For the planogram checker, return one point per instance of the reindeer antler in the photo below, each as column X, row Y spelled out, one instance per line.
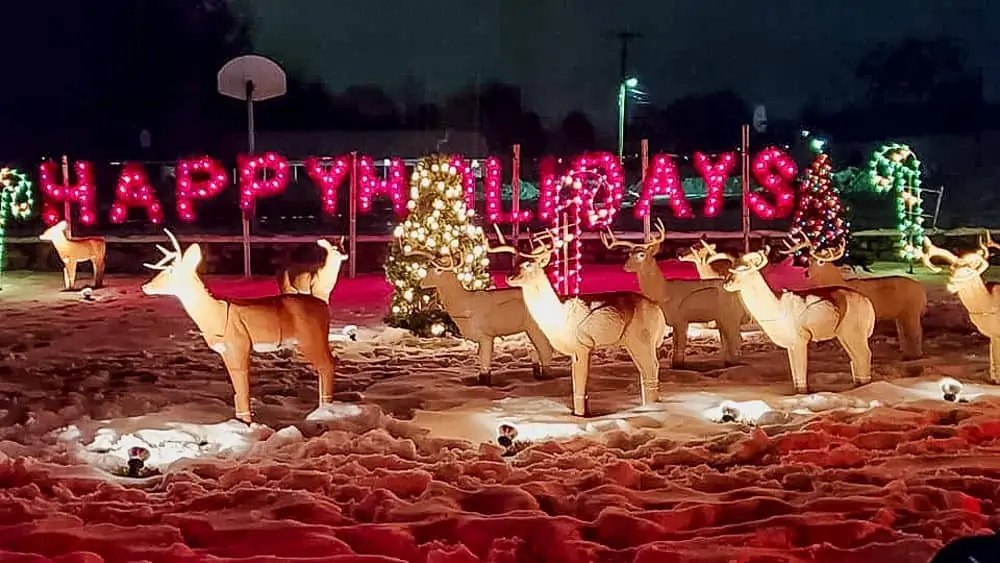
column 794, row 243
column 986, row 243
column 610, row 242
column 435, row 260
column 660, row 237
column 931, row 252
column 504, row 247
column 715, row 257
column 830, row 254
column 168, row 255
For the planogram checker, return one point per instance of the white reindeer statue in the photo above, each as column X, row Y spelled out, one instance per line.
column 896, row 298
column 981, row 299
column 684, row 301
column 803, row 316
column 482, row 316
column 317, row 281
column 583, row 324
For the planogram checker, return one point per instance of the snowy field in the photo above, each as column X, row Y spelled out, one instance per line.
column 410, row 471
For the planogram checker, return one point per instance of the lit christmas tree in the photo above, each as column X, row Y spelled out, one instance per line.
column 819, row 212
column 438, row 223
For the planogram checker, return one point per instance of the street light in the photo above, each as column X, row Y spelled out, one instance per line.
column 623, row 90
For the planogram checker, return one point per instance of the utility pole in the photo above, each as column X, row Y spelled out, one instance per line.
column 624, row 37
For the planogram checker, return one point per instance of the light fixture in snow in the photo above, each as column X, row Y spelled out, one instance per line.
column 507, row 439
column 150, row 451
column 950, row 389
column 334, row 411
column 743, row 412
column 349, row 332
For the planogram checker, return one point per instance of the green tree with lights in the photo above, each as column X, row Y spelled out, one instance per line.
column 439, row 224
column 16, row 203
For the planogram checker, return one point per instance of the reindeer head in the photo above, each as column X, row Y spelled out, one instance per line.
column 335, row 255
column 531, row 265
column 744, row 267
column 176, row 270
column 698, row 254
column 795, row 242
column 439, row 268
column 961, row 270
column 54, row 232
column 639, row 254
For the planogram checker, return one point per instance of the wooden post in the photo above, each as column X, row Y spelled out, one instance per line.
column 352, row 214
column 745, row 182
column 564, row 250
column 644, row 162
column 67, row 206
column 515, row 185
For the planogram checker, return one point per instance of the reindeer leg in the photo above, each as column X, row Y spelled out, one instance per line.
column 679, row 353
column 648, row 363
column 798, row 361
column 98, row 264
column 69, row 274
column 910, row 333
column 860, row 352
column 238, row 365
column 319, row 356
column 581, row 371
column 544, row 349
column 729, row 335
column 994, row 360
column 486, row 360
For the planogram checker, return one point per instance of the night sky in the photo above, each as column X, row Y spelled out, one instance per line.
column 781, row 53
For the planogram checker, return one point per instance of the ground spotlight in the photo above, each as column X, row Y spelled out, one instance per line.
column 950, row 389
column 730, row 413
column 137, row 457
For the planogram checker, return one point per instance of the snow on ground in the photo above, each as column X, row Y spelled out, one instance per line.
column 406, row 467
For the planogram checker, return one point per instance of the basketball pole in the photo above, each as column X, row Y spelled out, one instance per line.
column 248, row 214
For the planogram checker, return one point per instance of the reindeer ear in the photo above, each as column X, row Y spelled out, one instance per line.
column 192, row 256
column 324, row 244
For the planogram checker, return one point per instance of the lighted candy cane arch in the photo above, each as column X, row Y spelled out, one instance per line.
column 575, row 205
column 16, row 202
column 895, row 167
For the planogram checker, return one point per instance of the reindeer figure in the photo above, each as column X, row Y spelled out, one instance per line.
column 583, row 324
column 800, row 317
column 895, row 298
column 980, row 299
column 684, row 301
column 482, row 316
column 699, row 255
column 234, row 329
column 312, row 280
column 74, row 251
